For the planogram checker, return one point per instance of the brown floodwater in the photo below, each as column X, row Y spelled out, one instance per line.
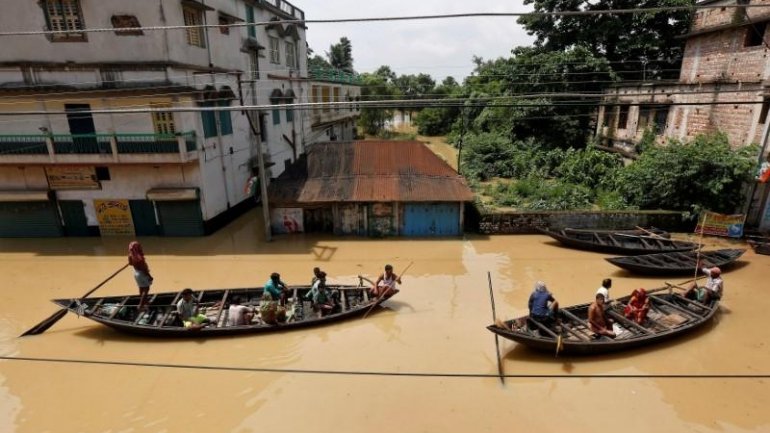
column 436, row 325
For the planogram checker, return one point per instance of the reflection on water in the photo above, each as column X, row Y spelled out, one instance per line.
column 436, row 324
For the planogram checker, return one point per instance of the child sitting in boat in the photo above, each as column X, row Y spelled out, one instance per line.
column 638, row 306
column 187, row 309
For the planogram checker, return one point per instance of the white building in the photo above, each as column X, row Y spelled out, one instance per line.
column 75, row 172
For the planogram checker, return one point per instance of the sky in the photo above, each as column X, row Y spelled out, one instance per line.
column 440, row 48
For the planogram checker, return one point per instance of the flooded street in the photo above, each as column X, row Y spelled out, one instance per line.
column 436, row 326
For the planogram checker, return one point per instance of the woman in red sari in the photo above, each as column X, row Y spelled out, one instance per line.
column 638, row 306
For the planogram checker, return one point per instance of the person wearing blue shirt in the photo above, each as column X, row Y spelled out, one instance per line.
column 539, row 308
column 276, row 288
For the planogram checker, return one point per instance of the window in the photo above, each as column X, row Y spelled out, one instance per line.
column 607, row 119
column 276, row 116
column 254, row 65
column 661, row 115
column 275, row 54
column 225, row 118
column 755, row 34
column 289, row 114
column 223, row 21
column 763, row 113
column 163, row 121
column 644, row 117
column 316, row 95
column 64, row 15
column 209, row 120
column 337, row 98
column 194, row 17
column 251, row 30
column 291, row 55
column 623, row 117
column 325, row 97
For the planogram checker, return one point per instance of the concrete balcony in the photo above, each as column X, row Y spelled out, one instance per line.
column 98, row 148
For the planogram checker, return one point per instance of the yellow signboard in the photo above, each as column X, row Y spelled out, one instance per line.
column 72, row 177
column 114, row 217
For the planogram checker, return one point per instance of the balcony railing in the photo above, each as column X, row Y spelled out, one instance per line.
column 23, row 144
column 334, row 76
column 81, row 143
column 287, row 8
column 97, row 144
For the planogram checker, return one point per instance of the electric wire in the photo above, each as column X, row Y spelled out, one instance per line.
column 631, row 11
column 407, row 374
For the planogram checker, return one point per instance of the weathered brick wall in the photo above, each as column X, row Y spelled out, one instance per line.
column 529, row 222
column 721, row 57
column 715, row 17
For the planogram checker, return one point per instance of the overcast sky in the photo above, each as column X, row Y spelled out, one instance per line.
column 436, row 47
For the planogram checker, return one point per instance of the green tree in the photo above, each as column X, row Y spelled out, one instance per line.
column 638, row 45
column 705, row 173
column 341, row 55
column 318, row 62
column 375, row 87
column 513, row 96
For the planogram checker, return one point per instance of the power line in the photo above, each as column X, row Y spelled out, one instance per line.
column 448, row 375
column 385, row 104
column 383, row 19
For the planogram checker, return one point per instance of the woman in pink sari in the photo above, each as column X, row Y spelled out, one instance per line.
column 141, row 271
column 638, row 306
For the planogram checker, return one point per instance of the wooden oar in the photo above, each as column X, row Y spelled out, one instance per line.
column 55, row 317
column 494, row 320
column 650, row 233
column 377, row 301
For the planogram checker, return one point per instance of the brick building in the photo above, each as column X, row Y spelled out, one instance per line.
column 723, row 86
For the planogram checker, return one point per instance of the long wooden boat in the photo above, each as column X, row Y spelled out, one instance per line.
column 671, row 315
column 652, row 231
column 617, row 243
column 161, row 320
column 676, row 262
column 760, row 247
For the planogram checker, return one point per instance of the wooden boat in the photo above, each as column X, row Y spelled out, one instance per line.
column 760, row 247
column 671, row 315
column 652, row 231
column 676, row 262
column 617, row 243
column 161, row 320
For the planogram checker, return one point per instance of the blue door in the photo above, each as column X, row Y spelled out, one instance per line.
column 432, row 219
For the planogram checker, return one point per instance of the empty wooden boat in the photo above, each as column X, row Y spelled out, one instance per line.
column 652, row 231
column 676, row 262
column 671, row 315
column 617, row 243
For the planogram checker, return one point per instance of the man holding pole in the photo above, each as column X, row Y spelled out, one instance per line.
column 711, row 290
column 386, row 283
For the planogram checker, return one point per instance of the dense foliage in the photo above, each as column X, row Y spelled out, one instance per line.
column 704, row 173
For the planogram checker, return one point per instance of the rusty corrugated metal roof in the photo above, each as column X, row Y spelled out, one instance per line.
column 369, row 171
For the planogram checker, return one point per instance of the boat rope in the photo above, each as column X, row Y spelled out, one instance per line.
column 386, row 373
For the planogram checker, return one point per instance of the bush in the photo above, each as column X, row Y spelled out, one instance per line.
column 533, row 193
column 590, row 167
column 705, row 173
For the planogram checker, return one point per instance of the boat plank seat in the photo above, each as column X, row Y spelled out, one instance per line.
column 140, row 314
column 619, row 317
column 579, row 335
column 97, row 305
column 585, row 324
column 171, row 310
column 222, row 308
column 675, row 307
column 119, row 307
column 692, row 301
column 542, row 327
